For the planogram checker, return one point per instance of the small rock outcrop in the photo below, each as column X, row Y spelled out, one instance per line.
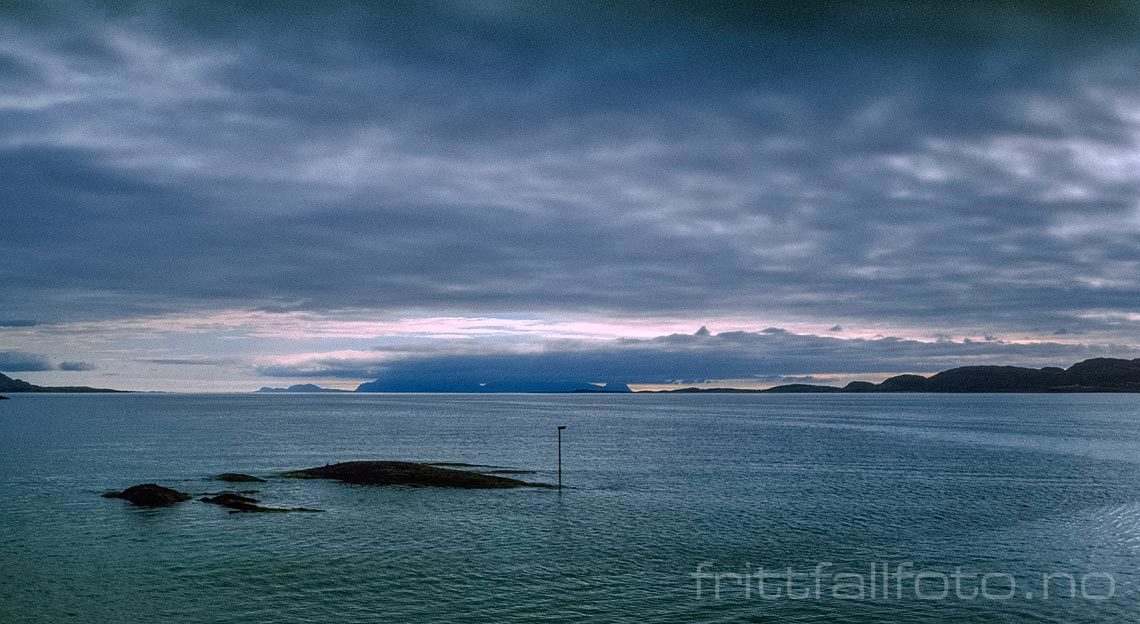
column 232, row 500
column 237, row 477
column 239, row 503
column 408, row 474
column 150, row 495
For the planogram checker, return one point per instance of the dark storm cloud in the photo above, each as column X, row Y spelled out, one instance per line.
column 76, row 366
column 772, row 355
column 19, row 361
column 194, row 361
column 961, row 164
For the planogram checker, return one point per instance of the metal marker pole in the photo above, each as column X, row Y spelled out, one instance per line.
column 560, row 428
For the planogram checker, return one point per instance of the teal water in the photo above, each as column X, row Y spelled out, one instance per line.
column 1023, row 485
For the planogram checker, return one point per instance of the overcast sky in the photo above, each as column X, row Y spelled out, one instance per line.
column 201, row 197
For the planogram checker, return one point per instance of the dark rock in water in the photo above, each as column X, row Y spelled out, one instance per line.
column 3, row 398
column 483, row 468
column 237, row 477
column 150, row 495
column 408, row 473
column 233, row 500
column 239, row 503
column 229, row 499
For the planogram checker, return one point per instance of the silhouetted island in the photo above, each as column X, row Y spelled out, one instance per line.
column 489, row 387
column 301, row 388
column 408, row 474
column 7, row 384
column 1095, row 375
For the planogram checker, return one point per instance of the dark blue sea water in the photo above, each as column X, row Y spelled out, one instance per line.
column 1010, row 486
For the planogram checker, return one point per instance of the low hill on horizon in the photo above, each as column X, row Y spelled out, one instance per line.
column 7, row 384
column 1094, row 375
column 301, row 388
column 502, row 386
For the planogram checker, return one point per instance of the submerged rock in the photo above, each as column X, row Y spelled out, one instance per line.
column 483, row 468
column 408, row 473
column 3, row 398
column 237, row 477
column 240, row 503
column 150, row 495
column 234, row 501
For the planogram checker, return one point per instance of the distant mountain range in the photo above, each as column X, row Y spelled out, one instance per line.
column 1095, row 375
column 7, row 384
column 463, row 386
column 301, row 388
column 428, row 386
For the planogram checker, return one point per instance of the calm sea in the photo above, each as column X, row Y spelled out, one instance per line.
column 967, row 502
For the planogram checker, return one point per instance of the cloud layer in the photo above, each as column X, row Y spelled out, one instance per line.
column 551, row 158
column 963, row 168
column 762, row 358
column 17, row 361
column 22, row 361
